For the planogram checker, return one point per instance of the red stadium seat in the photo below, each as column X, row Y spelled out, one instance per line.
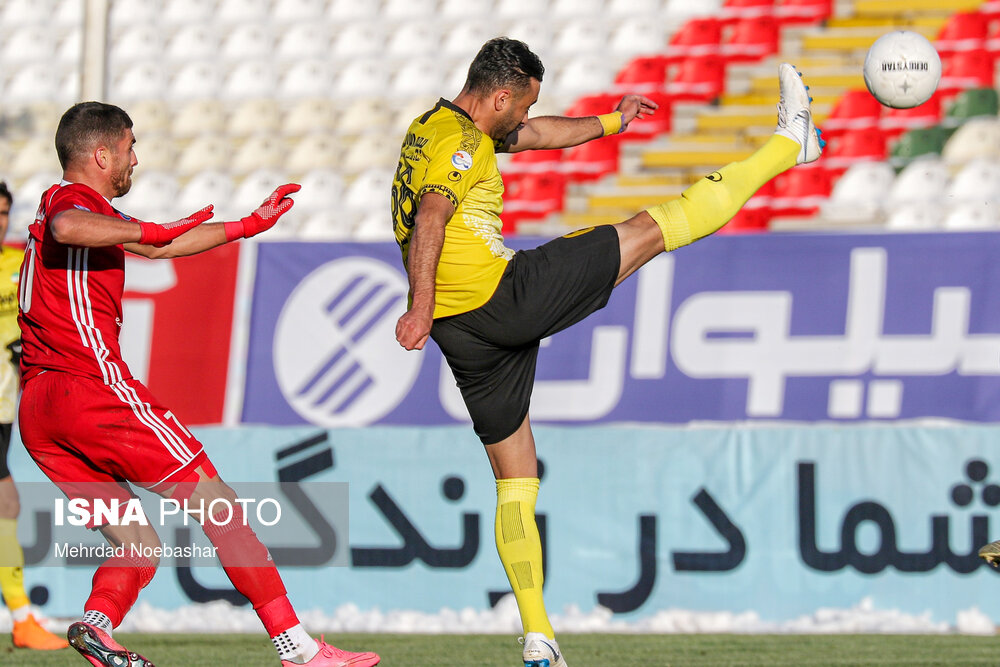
column 698, row 79
column 755, row 215
column 964, row 31
column 738, row 10
column 854, row 110
column 643, row 129
column 531, row 197
column 533, row 162
column 590, row 161
column 593, row 105
column 642, row 75
column 804, row 11
column 897, row 121
column 697, row 37
column 800, row 192
column 967, row 69
column 751, row 39
column 857, row 146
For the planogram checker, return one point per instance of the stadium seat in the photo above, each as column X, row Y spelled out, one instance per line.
column 70, row 47
column 583, row 74
column 255, row 187
column 532, row 196
column 978, row 181
column 372, row 150
column 18, row 14
column 678, row 9
column 153, row 195
column 963, row 31
column 193, row 42
column 581, row 36
column 374, row 225
column 701, row 79
column 199, row 117
column 701, row 36
column 916, row 217
column 298, row 11
column 402, row 39
column 857, row 146
column 66, row 13
column 348, row 11
column 921, row 181
column 854, row 110
column 858, row 196
column 406, row 10
column 330, row 225
column 537, row 34
column 642, row 75
column 35, row 155
column 896, row 121
column 249, row 80
column 800, row 192
column 592, row 160
column 751, row 39
column 319, row 150
column 208, row 187
column 359, row 39
column 972, row 216
column 247, row 41
column 197, row 80
column 363, row 115
column 803, row 11
column 967, row 69
column 971, row 103
column 637, row 35
column 157, row 152
column 533, row 162
column 416, row 76
column 322, row 190
column 27, row 195
column 574, row 9
column 315, row 114
column 401, row 116
column 466, row 38
column 260, row 116
column 977, row 138
column 307, row 78
column 368, row 77
column 27, row 45
column 150, row 117
column 517, row 9
column 186, row 12
column 368, row 189
column 463, row 9
column 632, row 8
column 121, row 14
column 140, row 42
column 236, row 12
column 304, row 40
column 739, row 10
column 205, row 152
column 141, row 81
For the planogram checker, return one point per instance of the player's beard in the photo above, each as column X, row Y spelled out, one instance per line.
column 505, row 125
column 122, row 182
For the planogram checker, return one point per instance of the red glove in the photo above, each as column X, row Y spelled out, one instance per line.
column 160, row 235
column 265, row 216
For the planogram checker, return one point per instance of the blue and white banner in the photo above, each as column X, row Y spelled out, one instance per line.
column 779, row 520
column 799, row 328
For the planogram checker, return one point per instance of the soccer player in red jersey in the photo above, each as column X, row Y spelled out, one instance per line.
column 89, row 424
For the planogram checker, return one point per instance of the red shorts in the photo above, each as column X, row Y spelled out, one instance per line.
column 83, row 434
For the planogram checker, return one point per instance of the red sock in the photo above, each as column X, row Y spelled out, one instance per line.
column 116, row 586
column 249, row 566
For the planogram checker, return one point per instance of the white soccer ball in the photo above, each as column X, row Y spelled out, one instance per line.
column 902, row 69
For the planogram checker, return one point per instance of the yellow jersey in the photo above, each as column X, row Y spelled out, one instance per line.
column 445, row 153
column 10, row 272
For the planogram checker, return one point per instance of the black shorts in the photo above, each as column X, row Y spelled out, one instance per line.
column 492, row 350
column 5, row 430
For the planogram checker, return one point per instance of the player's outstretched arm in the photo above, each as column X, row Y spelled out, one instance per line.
column 414, row 327
column 205, row 237
column 562, row 131
column 83, row 228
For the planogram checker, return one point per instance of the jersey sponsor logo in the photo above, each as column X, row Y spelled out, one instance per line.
column 455, row 176
column 461, row 160
column 335, row 355
column 714, row 176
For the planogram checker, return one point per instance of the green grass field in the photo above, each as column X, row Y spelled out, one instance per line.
column 581, row 650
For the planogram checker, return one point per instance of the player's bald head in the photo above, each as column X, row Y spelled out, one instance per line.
column 503, row 63
column 87, row 125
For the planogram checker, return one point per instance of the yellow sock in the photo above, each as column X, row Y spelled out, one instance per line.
column 11, row 566
column 710, row 203
column 520, row 549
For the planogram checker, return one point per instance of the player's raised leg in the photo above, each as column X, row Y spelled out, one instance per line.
column 710, row 203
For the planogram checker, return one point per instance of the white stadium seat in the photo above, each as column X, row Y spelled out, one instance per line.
column 208, row 187
column 259, row 116
column 357, row 39
column 66, row 13
column 416, row 77
column 678, row 10
column 397, row 10
column 139, row 42
column 375, row 225
column 258, row 152
column 70, row 49
column 333, row 225
column 414, row 107
column 298, row 11
column 35, row 155
column 858, row 196
column 131, row 12
column 373, row 150
column 156, row 151
column 363, row 115
column 536, row 34
column 256, row 187
column 972, row 215
column 250, row 79
column 978, row 181
column 412, row 39
column 581, row 36
column 205, row 116
column 314, row 151
column 186, row 12
column 362, row 78
column 304, row 40
column 636, row 36
column 248, row 41
column 518, row 9
column 626, row 8
column 466, row 38
column 149, row 117
column 576, row 8
column 917, row 216
column 582, row 75
column 975, row 138
column 27, row 196
column 153, row 196
column 16, row 14
column 26, row 45
column 923, row 180
column 344, row 11
column 197, row 80
column 463, row 9
column 370, row 188
column 193, row 42
column 206, row 152
column 315, row 114
column 309, row 78
column 322, row 190
column 37, row 82
column 235, row 12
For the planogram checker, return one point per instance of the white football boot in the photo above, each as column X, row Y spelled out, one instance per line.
column 540, row 651
column 794, row 115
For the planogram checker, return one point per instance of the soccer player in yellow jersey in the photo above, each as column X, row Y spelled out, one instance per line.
column 487, row 307
column 28, row 633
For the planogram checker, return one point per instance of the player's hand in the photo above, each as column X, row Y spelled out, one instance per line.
column 635, row 106
column 266, row 214
column 158, row 236
column 413, row 329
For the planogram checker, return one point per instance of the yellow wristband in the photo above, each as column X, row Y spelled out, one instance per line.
column 611, row 122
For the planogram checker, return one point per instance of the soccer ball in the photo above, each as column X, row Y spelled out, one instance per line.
column 902, row 69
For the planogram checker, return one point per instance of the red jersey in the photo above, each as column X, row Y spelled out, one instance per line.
column 70, row 297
